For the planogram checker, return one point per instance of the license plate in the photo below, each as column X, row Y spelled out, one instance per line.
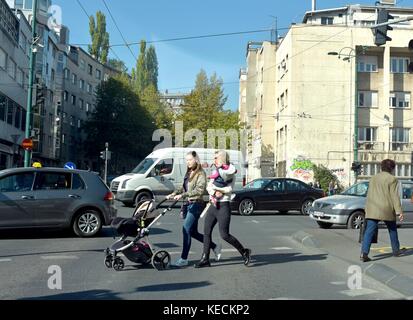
column 318, row 214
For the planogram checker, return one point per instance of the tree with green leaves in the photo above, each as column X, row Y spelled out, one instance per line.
column 324, row 176
column 100, row 38
column 151, row 66
column 118, row 65
column 162, row 116
column 145, row 73
column 120, row 120
column 204, row 107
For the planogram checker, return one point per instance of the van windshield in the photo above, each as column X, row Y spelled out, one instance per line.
column 144, row 165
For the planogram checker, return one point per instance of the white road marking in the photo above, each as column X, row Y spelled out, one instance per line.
column 338, row 283
column 59, row 257
column 229, row 250
column 358, row 292
column 5, row 260
column 255, row 221
column 280, row 248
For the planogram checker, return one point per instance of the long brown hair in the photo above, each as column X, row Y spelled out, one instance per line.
column 191, row 172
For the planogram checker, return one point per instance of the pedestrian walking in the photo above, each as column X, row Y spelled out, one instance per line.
column 382, row 204
column 192, row 192
column 221, row 213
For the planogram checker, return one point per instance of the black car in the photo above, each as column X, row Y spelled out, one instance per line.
column 281, row 194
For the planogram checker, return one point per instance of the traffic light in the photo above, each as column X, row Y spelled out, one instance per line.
column 380, row 33
column 103, row 155
column 356, row 167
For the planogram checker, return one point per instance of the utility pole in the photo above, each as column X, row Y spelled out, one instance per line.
column 106, row 161
column 27, row 153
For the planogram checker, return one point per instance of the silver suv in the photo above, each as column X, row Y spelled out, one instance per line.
column 55, row 198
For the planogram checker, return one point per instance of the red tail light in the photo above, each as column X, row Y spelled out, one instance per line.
column 108, row 196
column 244, row 181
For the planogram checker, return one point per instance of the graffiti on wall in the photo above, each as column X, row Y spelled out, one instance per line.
column 302, row 170
column 340, row 173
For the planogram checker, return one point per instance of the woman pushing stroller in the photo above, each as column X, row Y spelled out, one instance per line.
column 192, row 190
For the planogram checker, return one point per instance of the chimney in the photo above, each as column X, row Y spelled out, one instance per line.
column 313, row 6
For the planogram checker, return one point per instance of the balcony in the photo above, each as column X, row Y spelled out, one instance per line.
column 371, row 146
column 401, row 146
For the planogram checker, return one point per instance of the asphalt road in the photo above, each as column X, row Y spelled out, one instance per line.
column 281, row 267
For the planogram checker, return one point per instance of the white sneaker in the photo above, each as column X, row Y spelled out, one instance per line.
column 217, row 251
column 181, row 263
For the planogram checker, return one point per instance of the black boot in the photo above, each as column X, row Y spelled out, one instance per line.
column 204, row 262
column 364, row 258
column 246, row 255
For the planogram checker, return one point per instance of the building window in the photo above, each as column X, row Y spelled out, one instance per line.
column 3, row 107
column 3, row 59
column 399, row 65
column 12, row 69
column 367, row 64
column 106, row 77
column 367, row 134
column 87, row 107
column 89, row 88
column 367, row 99
column 82, row 64
column 65, row 95
column 400, row 100
column 73, row 100
column 64, row 115
column 326, row 20
column 81, row 84
column 63, row 138
column 74, row 79
column 20, row 76
column 10, row 112
column 81, row 103
column 399, row 137
column 53, row 74
column 67, row 73
column 89, row 69
column 98, row 74
column 72, row 121
column 79, row 123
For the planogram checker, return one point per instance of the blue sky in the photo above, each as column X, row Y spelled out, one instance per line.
column 180, row 61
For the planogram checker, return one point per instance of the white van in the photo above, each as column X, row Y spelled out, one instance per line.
column 162, row 171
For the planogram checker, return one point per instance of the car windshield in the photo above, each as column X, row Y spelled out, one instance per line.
column 144, row 165
column 359, row 190
column 257, row 184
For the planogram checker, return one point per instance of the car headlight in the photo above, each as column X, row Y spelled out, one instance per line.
column 339, row 206
column 233, row 196
column 124, row 183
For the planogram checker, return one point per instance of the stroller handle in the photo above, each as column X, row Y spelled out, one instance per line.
column 170, row 206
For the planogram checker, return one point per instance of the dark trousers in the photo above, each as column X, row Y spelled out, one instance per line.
column 190, row 228
column 222, row 215
column 371, row 228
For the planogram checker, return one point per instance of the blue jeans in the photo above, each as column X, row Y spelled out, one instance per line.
column 371, row 228
column 190, row 228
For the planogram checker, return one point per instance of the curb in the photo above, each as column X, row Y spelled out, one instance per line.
column 391, row 278
column 306, row 239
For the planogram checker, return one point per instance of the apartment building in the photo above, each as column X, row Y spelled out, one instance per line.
column 15, row 39
column 334, row 85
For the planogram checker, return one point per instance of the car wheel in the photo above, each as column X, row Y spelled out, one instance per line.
column 305, row 207
column 246, row 207
column 356, row 220
column 143, row 196
column 87, row 224
column 324, row 225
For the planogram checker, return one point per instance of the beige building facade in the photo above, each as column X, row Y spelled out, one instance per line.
column 331, row 85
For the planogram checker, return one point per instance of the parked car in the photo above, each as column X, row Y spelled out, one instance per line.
column 281, row 194
column 347, row 208
column 56, row 198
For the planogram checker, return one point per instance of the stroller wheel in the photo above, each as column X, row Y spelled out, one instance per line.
column 108, row 261
column 161, row 259
column 118, row 264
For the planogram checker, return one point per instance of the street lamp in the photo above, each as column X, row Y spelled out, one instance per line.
column 347, row 57
column 31, row 78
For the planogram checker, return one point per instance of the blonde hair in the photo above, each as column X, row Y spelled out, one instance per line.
column 194, row 171
column 223, row 155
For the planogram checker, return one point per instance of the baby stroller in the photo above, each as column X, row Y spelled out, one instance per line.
column 139, row 249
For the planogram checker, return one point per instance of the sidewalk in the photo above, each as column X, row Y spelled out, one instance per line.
column 394, row 272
